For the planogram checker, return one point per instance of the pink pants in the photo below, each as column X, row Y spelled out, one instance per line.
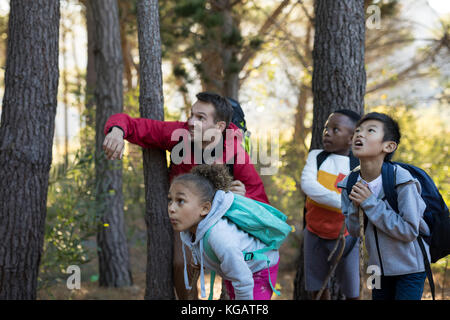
column 261, row 288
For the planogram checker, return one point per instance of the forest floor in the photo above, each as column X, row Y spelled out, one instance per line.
column 90, row 289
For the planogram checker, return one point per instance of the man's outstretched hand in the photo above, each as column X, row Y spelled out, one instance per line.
column 114, row 144
column 238, row 187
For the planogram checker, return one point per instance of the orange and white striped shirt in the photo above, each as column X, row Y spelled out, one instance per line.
column 323, row 198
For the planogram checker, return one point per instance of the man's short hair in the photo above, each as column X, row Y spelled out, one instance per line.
column 222, row 107
column 390, row 127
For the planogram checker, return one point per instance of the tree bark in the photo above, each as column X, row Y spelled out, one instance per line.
column 114, row 265
column 26, row 137
column 339, row 77
column 223, row 56
column 338, row 82
column 159, row 283
column 91, row 75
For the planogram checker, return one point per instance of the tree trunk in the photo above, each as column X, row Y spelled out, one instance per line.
column 338, row 81
column 151, row 105
column 127, row 62
column 114, row 265
column 26, row 136
column 339, row 77
column 91, row 76
column 65, row 99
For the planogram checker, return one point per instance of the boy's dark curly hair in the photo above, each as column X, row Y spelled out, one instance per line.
column 207, row 179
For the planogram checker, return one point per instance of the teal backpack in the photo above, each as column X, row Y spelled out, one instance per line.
column 258, row 219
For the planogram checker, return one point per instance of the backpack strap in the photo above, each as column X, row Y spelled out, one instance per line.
column 210, row 253
column 207, row 248
column 211, row 284
column 248, row 255
column 351, row 180
column 427, row 266
column 321, row 157
column 388, row 175
column 260, row 255
column 354, row 161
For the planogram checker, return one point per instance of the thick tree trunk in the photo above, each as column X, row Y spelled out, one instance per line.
column 26, row 137
column 339, row 77
column 151, row 105
column 338, row 82
column 91, row 75
column 114, row 265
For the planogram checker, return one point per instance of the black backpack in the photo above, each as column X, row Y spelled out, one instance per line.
column 436, row 214
column 354, row 162
column 238, row 119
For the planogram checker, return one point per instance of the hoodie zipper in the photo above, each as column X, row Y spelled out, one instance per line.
column 378, row 249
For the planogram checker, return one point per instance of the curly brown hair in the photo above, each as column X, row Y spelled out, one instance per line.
column 207, row 179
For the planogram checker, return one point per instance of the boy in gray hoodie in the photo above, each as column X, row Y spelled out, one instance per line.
column 390, row 237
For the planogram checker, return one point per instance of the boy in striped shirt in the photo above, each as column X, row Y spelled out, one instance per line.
column 324, row 218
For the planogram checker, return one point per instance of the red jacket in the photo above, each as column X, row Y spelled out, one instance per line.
column 149, row 133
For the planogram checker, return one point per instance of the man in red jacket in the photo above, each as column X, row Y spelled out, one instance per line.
column 209, row 127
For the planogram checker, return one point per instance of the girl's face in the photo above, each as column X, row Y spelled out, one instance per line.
column 185, row 207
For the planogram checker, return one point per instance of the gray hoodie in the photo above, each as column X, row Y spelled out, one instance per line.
column 398, row 251
column 227, row 242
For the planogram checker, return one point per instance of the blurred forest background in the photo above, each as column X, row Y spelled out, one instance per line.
column 269, row 70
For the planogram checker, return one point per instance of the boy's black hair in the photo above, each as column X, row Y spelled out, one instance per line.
column 223, row 108
column 390, row 127
column 352, row 115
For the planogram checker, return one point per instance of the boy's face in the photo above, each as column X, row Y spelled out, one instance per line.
column 185, row 208
column 337, row 134
column 368, row 141
column 202, row 124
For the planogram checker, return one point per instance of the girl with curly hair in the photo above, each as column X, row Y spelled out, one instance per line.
column 197, row 202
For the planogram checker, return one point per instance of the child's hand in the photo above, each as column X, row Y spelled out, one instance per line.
column 360, row 192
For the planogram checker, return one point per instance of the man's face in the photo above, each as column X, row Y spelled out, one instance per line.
column 202, row 124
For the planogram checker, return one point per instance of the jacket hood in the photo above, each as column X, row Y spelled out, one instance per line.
column 221, row 203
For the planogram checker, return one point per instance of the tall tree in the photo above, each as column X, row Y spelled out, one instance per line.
column 114, row 265
column 91, row 76
column 210, row 35
column 26, row 138
column 151, row 105
column 339, row 78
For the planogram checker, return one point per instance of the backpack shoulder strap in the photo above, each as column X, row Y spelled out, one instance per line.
column 321, row 157
column 351, row 180
column 207, row 248
column 210, row 253
column 354, row 161
column 388, row 175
